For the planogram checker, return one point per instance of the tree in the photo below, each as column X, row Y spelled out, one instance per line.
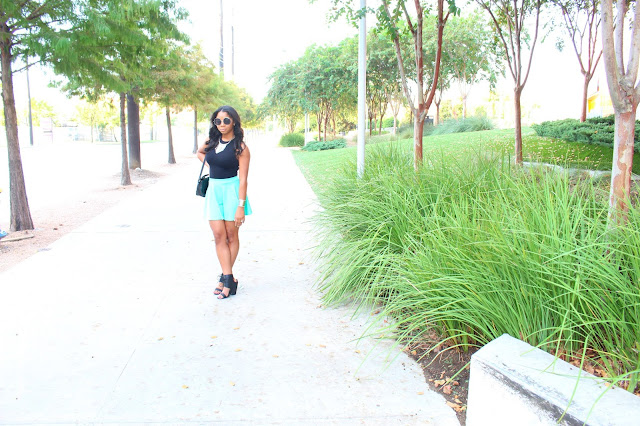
column 24, row 27
column 470, row 55
column 98, row 114
column 395, row 20
column 581, row 20
column 624, row 88
column 114, row 47
column 509, row 20
column 284, row 97
column 388, row 16
column 328, row 84
column 382, row 76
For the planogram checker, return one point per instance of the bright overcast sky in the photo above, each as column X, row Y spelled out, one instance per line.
column 266, row 34
column 270, row 33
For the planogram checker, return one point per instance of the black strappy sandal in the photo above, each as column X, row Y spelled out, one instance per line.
column 218, row 290
column 229, row 283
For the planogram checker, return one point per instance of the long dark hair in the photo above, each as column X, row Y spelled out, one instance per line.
column 214, row 133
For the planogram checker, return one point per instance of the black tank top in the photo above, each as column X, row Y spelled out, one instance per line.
column 224, row 164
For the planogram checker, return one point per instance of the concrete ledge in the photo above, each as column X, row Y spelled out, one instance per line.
column 513, row 383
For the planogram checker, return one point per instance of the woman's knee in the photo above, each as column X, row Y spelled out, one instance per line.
column 232, row 235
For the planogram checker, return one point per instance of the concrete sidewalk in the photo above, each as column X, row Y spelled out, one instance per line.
column 117, row 322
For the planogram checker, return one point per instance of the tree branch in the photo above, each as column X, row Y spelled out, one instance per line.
column 621, row 8
column 396, row 43
column 632, row 71
column 608, row 48
column 533, row 46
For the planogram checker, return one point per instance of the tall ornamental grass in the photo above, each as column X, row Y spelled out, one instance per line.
column 474, row 249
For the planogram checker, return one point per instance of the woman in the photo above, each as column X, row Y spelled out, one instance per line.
column 226, row 203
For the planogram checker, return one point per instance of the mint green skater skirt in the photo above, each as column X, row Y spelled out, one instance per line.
column 221, row 200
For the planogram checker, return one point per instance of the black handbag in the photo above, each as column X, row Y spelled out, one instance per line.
column 203, row 183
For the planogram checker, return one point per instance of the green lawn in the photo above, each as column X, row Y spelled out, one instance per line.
column 316, row 165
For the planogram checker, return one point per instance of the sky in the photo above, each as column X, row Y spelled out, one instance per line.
column 270, row 33
column 266, row 34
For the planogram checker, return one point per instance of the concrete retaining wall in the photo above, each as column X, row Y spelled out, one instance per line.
column 513, row 383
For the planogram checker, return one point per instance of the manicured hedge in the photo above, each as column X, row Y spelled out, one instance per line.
column 292, row 139
column 322, row 145
column 597, row 131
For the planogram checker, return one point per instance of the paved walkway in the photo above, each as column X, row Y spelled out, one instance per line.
column 116, row 322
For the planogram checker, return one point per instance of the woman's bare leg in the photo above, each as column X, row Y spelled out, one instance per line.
column 222, row 247
column 233, row 241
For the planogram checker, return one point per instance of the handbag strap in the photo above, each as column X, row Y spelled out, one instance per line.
column 201, row 169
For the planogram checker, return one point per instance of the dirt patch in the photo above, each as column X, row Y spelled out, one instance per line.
column 446, row 371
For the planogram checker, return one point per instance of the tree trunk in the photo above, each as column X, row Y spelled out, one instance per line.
column 585, row 97
column 326, row 120
column 125, row 178
column 518, row 126
column 319, row 121
column 437, row 113
column 418, row 126
column 172, row 157
column 195, row 129
column 20, row 218
column 622, row 162
column 133, row 125
column 395, row 124
column 464, row 107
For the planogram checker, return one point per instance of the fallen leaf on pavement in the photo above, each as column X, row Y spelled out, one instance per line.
column 446, row 390
column 238, row 350
column 214, row 337
column 185, row 387
column 439, row 382
column 420, row 393
column 456, row 407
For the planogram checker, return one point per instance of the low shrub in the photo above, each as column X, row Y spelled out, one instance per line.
column 292, row 139
column 322, row 145
column 596, row 131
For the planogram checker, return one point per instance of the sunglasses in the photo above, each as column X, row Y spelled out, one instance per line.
column 218, row 122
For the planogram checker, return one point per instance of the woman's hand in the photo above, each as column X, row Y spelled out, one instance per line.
column 239, row 216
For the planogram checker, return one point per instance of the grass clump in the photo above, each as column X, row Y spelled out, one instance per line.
column 324, row 145
column 473, row 249
column 292, row 139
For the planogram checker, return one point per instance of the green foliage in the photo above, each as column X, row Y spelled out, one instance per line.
column 324, row 145
column 322, row 82
column 388, row 122
column 597, row 131
column 470, row 124
column 292, row 139
column 39, row 109
column 117, row 44
column 472, row 249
